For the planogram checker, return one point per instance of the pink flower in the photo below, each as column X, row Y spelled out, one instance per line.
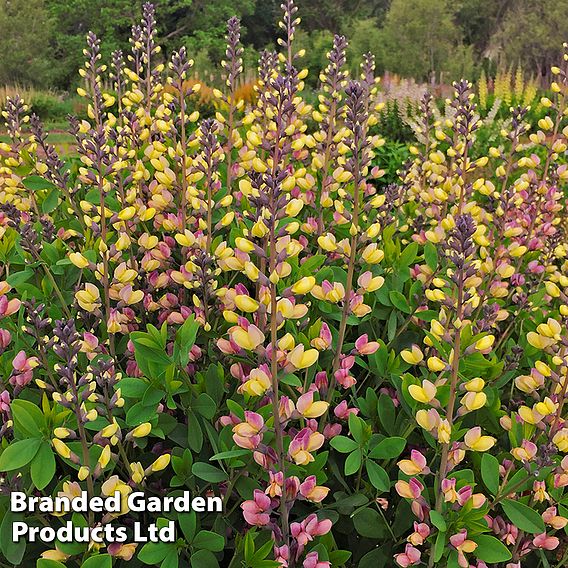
column 309, row 528
column 411, row 489
column 416, row 465
column 256, row 511
column 305, row 442
column 410, row 556
column 4, row 401
column 342, row 412
column 8, row 307
column 312, row 561
column 5, row 339
column 275, row 482
column 313, row 492
column 420, row 534
column 343, row 377
column 366, row 347
column 544, row 541
column 324, row 339
column 282, row 555
column 23, row 369
column 247, row 434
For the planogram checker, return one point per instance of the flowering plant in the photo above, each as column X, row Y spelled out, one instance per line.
column 368, row 373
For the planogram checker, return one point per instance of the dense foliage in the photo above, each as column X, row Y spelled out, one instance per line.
column 367, row 362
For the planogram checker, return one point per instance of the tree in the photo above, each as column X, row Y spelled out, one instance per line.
column 199, row 24
column 421, row 39
column 532, row 33
column 25, row 30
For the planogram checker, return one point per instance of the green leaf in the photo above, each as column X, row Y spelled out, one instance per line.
column 203, row 559
column 386, row 412
column 439, row 546
column 132, row 388
column 171, row 560
column 339, row 557
column 209, row 541
column 399, row 301
column 353, row 462
column 43, row 466
column 230, row 454
column 523, row 517
column 378, row 477
column 99, row 561
column 369, row 523
column 19, row 454
column 205, row 405
column 356, row 427
column 188, row 523
column 408, row 255
column 490, row 472
column 491, row 550
column 438, row 521
column 46, row 563
column 194, row 432
column 208, row 472
column 431, row 255
column 37, row 183
column 185, row 340
column 389, row 448
column 28, row 419
column 51, row 200
column 343, row 444
column 13, row 551
column 154, row 552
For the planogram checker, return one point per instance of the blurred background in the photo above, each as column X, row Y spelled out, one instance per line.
column 506, row 47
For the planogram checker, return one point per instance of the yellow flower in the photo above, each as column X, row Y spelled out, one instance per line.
column 561, row 440
column 61, row 448
column 425, row 394
column 474, row 400
column 142, row 430
column 444, row 432
column 372, row 254
column 304, row 285
column 257, row 384
column 327, row 242
column 435, row 364
column 104, row 458
column 161, row 463
column 412, row 356
column 88, row 298
column 301, row 359
column 475, row 441
column 485, row 343
column 78, row 260
column 246, row 303
column 248, row 339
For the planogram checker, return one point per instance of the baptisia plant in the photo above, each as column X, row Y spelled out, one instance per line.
column 367, row 372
